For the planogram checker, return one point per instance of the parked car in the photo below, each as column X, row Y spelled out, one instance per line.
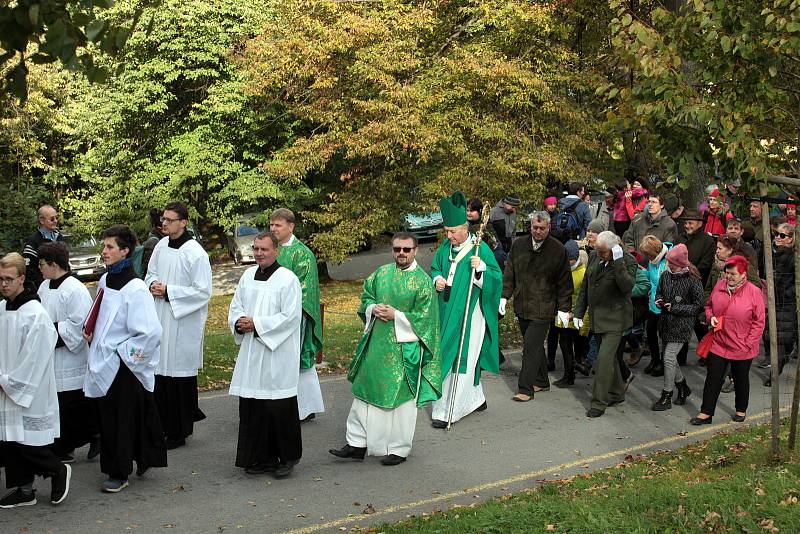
column 423, row 226
column 84, row 257
column 241, row 239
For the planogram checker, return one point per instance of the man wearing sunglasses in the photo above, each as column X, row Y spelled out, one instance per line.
column 46, row 233
column 397, row 365
column 179, row 278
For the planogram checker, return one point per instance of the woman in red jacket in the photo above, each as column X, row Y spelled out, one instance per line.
column 735, row 311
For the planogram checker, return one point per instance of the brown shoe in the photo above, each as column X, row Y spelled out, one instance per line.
column 521, row 397
column 537, row 389
column 635, row 357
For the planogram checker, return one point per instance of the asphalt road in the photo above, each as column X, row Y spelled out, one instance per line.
column 357, row 267
column 504, row 449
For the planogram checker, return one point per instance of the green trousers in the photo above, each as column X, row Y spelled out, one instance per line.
column 608, row 384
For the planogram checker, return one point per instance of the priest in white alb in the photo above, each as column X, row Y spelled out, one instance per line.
column 28, row 400
column 123, row 357
column 179, row 278
column 67, row 302
column 265, row 317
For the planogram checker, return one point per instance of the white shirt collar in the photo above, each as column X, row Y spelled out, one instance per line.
column 410, row 267
column 290, row 242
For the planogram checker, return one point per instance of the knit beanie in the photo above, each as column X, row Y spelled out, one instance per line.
column 549, row 201
column 572, row 249
column 679, row 256
column 596, row 226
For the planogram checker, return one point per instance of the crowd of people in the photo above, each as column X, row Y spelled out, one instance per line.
column 638, row 273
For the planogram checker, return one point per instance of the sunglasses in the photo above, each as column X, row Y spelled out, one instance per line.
column 403, row 249
column 782, row 235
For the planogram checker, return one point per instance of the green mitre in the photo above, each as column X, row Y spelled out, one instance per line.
column 454, row 209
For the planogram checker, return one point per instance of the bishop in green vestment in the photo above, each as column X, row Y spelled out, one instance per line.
column 452, row 272
column 298, row 258
column 397, row 364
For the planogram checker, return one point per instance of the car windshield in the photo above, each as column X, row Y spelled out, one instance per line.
column 245, row 229
column 82, row 243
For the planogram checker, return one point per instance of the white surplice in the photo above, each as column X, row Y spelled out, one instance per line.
column 187, row 273
column 468, row 396
column 127, row 330
column 268, row 365
column 28, row 397
column 68, row 305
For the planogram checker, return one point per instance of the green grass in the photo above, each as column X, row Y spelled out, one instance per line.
column 729, row 483
column 342, row 332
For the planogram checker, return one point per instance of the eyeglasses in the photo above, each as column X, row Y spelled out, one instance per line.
column 7, row 281
column 782, row 235
column 403, row 249
column 168, row 220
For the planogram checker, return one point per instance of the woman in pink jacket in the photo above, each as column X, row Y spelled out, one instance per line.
column 735, row 310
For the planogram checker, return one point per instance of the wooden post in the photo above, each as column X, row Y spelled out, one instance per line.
column 773, row 323
column 321, row 320
column 796, row 396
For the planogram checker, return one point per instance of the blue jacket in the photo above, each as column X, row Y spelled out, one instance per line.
column 582, row 211
column 654, row 274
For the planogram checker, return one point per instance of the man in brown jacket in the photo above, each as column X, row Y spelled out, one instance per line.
column 537, row 276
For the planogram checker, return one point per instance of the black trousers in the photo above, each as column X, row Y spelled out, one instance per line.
column 715, row 376
column 620, row 227
column 178, row 409
column 624, row 370
column 269, row 432
column 534, row 361
column 552, row 344
column 651, row 327
column 130, row 427
column 23, row 462
column 80, row 421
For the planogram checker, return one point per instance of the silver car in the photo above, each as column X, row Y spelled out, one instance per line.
column 240, row 241
column 84, row 257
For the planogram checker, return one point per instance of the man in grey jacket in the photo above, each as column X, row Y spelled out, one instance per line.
column 654, row 220
column 574, row 201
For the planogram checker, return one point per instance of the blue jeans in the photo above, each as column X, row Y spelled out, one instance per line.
column 591, row 356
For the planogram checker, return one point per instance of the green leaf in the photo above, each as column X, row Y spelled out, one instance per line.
column 95, row 29
column 725, row 42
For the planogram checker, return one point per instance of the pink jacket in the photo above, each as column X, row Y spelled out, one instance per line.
column 743, row 324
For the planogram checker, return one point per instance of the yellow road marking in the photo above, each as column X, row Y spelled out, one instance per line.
column 525, row 476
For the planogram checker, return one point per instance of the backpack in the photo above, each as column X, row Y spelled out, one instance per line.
column 136, row 259
column 566, row 225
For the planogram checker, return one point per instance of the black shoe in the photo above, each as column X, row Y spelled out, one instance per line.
column 658, row 370
column 284, row 469
column 697, row 421
column 173, row 443
column 736, row 418
column 551, row 366
column 702, row 362
column 649, row 368
column 65, row 458
column 392, row 459
column 94, row 448
column 481, row 408
column 141, row 470
column 309, row 418
column 664, row 403
column 348, row 451
column 683, row 391
column 582, row 368
column 60, row 485
column 262, row 467
column 594, row 412
column 16, row 498
column 616, row 402
column 436, row 423
column 565, row 382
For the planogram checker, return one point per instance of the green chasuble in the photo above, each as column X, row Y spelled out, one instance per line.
column 299, row 259
column 386, row 373
column 451, row 311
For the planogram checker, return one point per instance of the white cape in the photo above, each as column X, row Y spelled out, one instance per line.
column 127, row 330
column 267, row 366
column 187, row 273
column 68, row 306
column 28, row 397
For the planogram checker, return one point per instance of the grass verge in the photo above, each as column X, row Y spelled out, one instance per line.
column 342, row 332
column 729, row 483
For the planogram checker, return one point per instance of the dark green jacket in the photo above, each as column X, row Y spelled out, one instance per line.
column 606, row 292
column 701, row 248
column 540, row 282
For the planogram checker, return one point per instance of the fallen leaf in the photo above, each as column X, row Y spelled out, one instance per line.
column 760, row 492
column 169, row 525
column 356, row 503
column 178, row 488
column 683, row 433
column 369, row 509
column 316, row 479
column 550, row 528
column 301, row 515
